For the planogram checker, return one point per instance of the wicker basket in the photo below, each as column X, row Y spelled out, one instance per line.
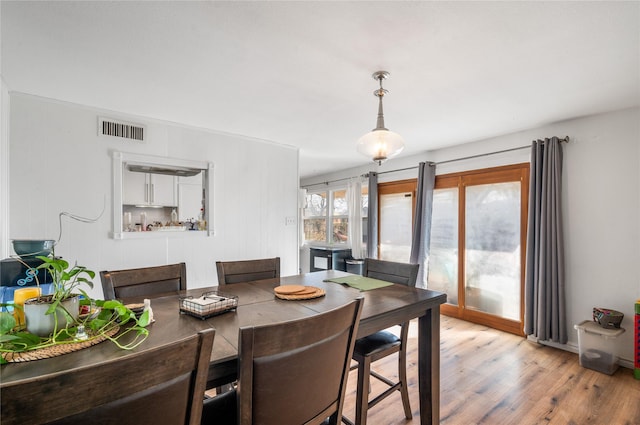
column 208, row 304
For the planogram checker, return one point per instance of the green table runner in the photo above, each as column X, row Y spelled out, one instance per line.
column 360, row 282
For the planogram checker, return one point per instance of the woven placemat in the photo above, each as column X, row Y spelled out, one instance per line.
column 59, row 349
column 293, row 297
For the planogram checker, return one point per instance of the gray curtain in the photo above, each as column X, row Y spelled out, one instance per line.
column 372, row 214
column 545, row 312
column 421, row 237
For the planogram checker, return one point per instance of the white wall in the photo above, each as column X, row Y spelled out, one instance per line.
column 58, row 163
column 601, row 200
column 4, row 169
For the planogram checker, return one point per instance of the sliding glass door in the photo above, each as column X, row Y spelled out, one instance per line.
column 443, row 255
column 396, row 201
column 493, row 249
column 477, row 245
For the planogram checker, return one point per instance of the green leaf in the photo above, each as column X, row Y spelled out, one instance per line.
column 142, row 331
column 52, row 307
column 66, row 334
column 8, row 338
column 111, row 304
column 97, row 323
column 105, row 315
column 25, row 338
column 7, row 322
column 144, row 319
column 86, row 282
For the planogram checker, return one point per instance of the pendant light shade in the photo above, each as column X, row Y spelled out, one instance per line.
column 380, row 144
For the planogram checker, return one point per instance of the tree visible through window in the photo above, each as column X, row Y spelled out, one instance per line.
column 315, row 217
column 326, row 216
column 339, row 217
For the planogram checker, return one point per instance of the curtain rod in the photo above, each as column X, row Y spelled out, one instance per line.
column 563, row 140
column 336, row 180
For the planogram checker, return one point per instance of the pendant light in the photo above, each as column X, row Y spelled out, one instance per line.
column 380, row 144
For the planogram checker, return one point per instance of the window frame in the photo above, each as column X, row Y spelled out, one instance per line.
column 119, row 161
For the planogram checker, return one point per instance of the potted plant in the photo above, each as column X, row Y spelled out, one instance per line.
column 55, row 318
column 47, row 313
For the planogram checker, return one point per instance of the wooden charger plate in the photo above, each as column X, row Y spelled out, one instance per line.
column 298, row 292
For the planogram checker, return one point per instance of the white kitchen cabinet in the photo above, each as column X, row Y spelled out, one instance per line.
column 163, row 190
column 189, row 197
column 148, row 189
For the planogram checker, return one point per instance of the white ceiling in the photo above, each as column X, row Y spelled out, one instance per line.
column 299, row 73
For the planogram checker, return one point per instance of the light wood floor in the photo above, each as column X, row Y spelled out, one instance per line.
column 491, row 377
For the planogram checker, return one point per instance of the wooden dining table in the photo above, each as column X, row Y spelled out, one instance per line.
column 257, row 305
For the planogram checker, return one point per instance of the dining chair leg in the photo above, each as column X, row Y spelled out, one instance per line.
column 404, row 391
column 362, row 393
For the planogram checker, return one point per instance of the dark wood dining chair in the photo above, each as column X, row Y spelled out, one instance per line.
column 144, row 282
column 163, row 385
column 247, row 270
column 293, row 372
column 382, row 344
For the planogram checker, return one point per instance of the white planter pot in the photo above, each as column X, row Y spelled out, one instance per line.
column 42, row 324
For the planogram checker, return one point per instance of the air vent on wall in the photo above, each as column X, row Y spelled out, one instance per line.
column 126, row 130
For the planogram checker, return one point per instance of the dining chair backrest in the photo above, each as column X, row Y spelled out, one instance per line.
column 390, row 271
column 247, row 270
column 144, row 282
column 296, row 372
column 163, row 385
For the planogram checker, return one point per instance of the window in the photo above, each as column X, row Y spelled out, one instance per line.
column 339, row 217
column 315, row 217
column 478, row 236
column 326, row 216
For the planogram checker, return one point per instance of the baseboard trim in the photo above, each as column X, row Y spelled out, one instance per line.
column 572, row 347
